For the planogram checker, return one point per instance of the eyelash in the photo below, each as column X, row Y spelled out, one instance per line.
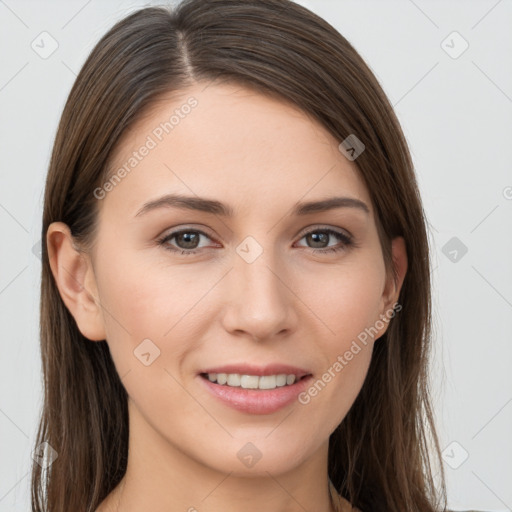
column 347, row 240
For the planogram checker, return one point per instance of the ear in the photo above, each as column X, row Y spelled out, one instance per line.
column 394, row 283
column 74, row 276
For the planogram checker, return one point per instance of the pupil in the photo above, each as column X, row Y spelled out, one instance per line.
column 190, row 240
column 319, row 237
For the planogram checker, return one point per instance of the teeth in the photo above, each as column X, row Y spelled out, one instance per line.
column 252, row 381
column 249, row 381
column 268, row 382
column 281, row 380
column 234, row 380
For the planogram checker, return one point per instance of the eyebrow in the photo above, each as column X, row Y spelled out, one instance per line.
column 218, row 208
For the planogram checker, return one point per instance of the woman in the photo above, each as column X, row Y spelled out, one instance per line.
column 235, row 304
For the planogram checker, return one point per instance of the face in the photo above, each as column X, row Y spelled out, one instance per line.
column 244, row 276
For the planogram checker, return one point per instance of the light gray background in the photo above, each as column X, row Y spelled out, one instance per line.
column 457, row 116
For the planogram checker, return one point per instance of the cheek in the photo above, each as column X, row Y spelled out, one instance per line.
column 145, row 298
column 348, row 299
column 348, row 307
column 149, row 313
column 152, row 302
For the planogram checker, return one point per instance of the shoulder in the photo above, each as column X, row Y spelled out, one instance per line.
column 105, row 506
column 340, row 503
column 346, row 506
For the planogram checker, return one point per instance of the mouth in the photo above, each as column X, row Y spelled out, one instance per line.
column 255, row 390
column 263, row 382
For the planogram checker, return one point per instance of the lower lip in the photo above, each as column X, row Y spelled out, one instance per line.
column 255, row 401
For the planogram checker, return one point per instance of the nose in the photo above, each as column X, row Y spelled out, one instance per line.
column 260, row 302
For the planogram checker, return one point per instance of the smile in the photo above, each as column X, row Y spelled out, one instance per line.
column 236, row 380
column 255, row 389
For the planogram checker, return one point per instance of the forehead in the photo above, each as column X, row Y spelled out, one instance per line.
column 230, row 142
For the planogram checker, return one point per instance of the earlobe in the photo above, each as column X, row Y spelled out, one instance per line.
column 399, row 256
column 74, row 277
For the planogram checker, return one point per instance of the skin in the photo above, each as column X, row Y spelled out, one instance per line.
column 291, row 305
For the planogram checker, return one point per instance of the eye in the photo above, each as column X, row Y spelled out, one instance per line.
column 187, row 241
column 319, row 237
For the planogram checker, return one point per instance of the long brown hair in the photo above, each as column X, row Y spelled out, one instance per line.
column 380, row 455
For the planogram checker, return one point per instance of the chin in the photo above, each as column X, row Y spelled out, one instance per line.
column 257, row 457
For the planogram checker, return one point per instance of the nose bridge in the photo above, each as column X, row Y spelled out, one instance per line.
column 260, row 304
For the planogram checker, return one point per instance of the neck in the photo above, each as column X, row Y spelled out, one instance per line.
column 160, row 477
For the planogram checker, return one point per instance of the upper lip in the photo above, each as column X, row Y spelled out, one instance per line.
column 248, row 369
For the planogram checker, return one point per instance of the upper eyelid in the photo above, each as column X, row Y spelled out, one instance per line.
column 172, row 234
column 176, row 230
column 324, row 228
